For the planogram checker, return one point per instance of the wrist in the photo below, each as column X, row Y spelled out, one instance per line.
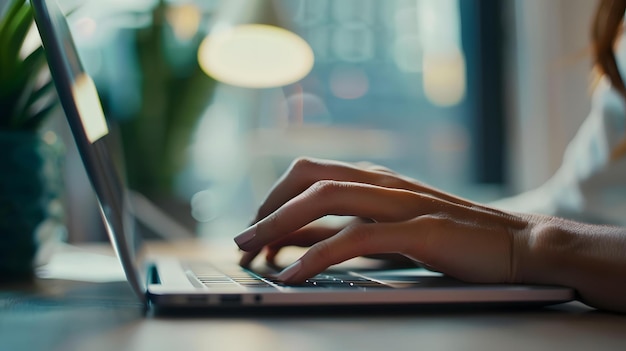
column 585, row 257
column 543, row 252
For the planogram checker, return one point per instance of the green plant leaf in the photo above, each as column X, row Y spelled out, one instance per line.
column 20, row 85
column 36, row 97
column 6, row 25
column 32, row 65
column 20, row 111
column 37, row 119
column 24, row 102
column 23, row 22
column 43, row 91
column 11, row 34
column 29, row 68
column 14, row 8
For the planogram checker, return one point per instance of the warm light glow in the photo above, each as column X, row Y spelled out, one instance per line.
column 50, row 137
column 89, row 108
column 444, row 77
column 255, row 56
column 185, row 20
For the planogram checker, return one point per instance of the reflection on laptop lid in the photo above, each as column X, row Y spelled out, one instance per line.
column 179, row 284
column 83, row 110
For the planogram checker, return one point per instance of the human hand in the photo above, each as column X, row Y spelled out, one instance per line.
column 390, row 214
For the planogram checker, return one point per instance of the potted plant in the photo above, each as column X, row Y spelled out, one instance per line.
column 30, row 159
column 171, row 93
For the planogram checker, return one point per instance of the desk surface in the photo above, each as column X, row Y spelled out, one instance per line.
column 55, row 314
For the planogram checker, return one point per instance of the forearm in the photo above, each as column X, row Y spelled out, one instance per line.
column 588, row 258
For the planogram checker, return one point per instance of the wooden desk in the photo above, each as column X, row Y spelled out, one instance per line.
column 52, row 314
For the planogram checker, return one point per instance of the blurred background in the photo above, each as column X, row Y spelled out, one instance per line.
column 213, row 99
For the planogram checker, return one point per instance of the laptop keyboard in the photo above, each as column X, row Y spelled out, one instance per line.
column 235, row 277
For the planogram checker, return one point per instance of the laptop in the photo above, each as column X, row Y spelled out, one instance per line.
column 170, row 283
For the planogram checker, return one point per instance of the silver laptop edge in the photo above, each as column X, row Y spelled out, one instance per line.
column 72, row 83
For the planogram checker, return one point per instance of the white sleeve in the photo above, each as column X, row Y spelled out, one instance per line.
column 588, row 186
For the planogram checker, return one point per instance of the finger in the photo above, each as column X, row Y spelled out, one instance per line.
column 303, row 237
column 373, row 167
column 270, row 255
column 343, row 199
column 359, row 200
column 305, row 172
column 353, row 241
column 247, row 257
column 455, row 248
column 394, row 260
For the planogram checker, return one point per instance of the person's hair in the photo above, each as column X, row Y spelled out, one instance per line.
column 606, row 28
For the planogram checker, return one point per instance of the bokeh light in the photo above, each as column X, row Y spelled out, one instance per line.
column 445, row 77
column 185, row 20
column 255, row 56
column 349, row 83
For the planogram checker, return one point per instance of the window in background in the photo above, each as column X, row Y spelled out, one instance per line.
column 395, row 71
column 413, row 85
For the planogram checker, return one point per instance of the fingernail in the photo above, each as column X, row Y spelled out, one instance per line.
column 290, row 271
column 245, row 237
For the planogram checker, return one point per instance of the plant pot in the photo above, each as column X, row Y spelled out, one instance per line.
column 31, row 206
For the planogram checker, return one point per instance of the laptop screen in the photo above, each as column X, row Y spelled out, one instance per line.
column 84, row 114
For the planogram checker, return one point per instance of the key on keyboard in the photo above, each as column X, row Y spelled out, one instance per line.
column 236, row 276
